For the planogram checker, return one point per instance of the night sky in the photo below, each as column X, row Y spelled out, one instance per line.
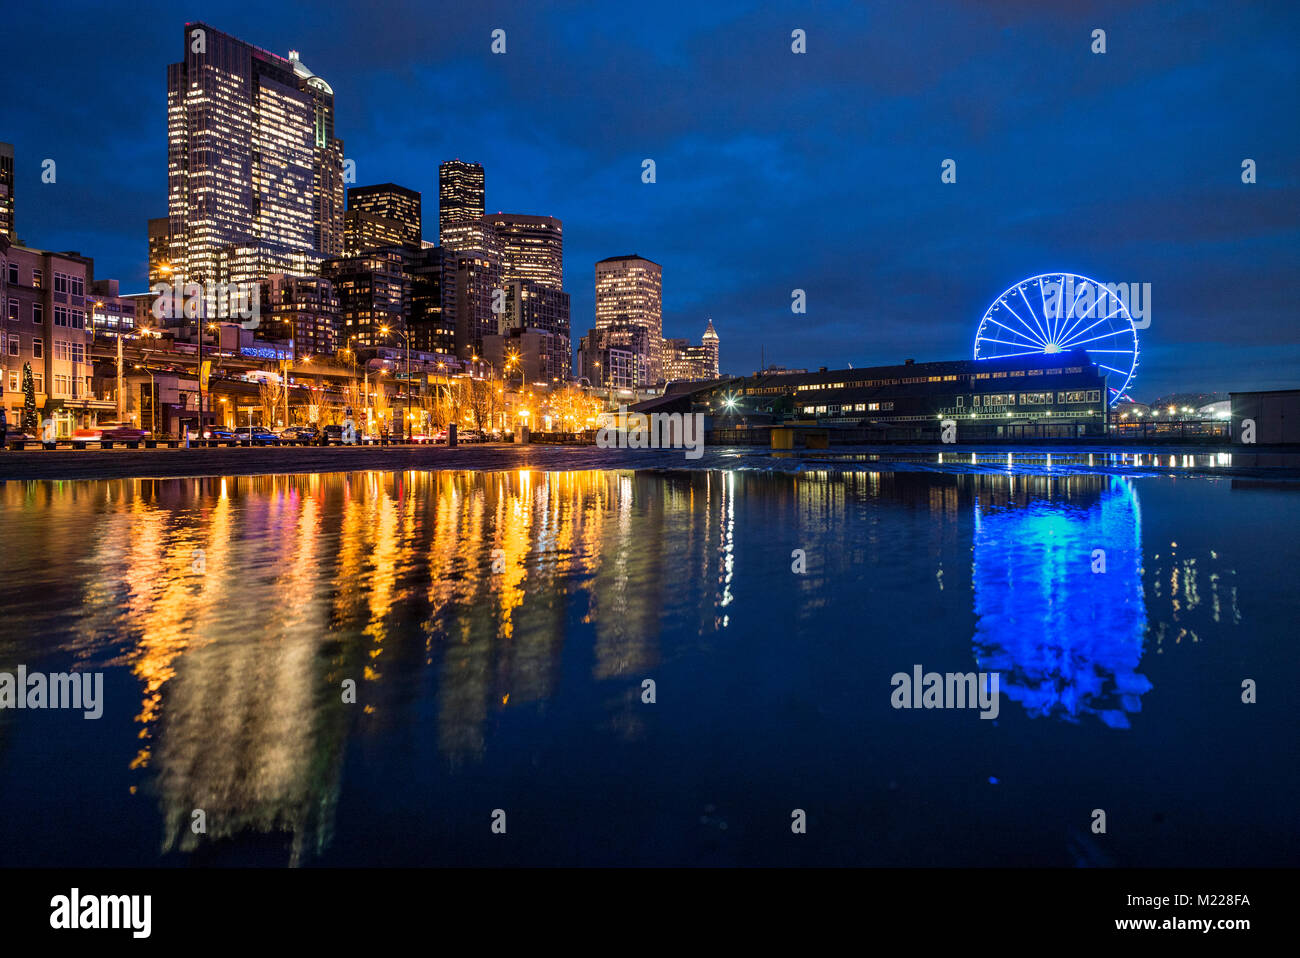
column 775, row 171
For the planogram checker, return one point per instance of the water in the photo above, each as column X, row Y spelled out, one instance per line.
column 499, row 628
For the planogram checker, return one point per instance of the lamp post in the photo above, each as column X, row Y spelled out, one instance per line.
column 406, row 434
column 153, row 401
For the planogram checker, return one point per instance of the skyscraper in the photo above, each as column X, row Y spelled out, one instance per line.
column 160, row 249
column 7, row 192
column 382, row 215
column 629, row 292
column 532, row 248
column 255, row 182
column 460, row 207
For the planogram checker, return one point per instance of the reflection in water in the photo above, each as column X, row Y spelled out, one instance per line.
column 1066, row 635
column 498, row 619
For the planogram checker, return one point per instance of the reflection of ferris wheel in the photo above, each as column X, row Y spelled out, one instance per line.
column 1055, row 312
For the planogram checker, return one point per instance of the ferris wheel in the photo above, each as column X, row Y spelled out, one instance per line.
column 1056, row 312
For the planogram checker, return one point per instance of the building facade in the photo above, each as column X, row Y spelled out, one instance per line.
column 684, row 362
column 629, row 293
column 7, row 227
column 614, row 357
column 373, row 291
column 254, row 170
column 46, row 324
column 382, row 215
column 532, row 248
column 461, row 194
column 302, row 309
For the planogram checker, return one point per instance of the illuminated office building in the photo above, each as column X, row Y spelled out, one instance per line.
column 629, row 292
column 254, row 173
column 160, row 250
column 382, row 215
column 301, row 309
column 374, row 291
column 532, row 248
column 460, row 208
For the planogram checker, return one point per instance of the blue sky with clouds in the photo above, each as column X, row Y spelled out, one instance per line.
column 775, row 171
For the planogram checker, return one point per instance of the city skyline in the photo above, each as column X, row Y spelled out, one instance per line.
column 746, row 179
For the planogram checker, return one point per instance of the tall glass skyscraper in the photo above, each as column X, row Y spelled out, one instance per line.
column 254, row 171
column 460, row 207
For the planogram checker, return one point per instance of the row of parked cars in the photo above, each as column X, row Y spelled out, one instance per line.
column 260, row 435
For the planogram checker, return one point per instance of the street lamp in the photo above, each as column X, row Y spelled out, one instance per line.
column 153, row 401
column 407, row 343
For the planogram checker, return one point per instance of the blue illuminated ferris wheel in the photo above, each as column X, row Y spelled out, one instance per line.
column 1055, row 312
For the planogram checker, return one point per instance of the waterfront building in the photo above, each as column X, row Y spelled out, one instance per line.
column 45, row 322
column 1043, row 395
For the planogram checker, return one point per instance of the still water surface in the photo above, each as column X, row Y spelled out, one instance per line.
column 499, row 628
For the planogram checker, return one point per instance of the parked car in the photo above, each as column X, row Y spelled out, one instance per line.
column 329, row 435
column 220, row 433
column 111, row 432
column 259, row 435
column 299, row 433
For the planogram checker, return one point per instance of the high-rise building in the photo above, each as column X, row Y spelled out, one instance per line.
column 385, row 210
column 365, row 231
column 7, row 227
column 470, row 281
column 629, row 292
column 460, row 207
column 530, row 306
column 302, row 309
column 684, row 362
column 160, row 250
column 431, row 323
column 373, row 291
column 255, row 182
column 615, row 356
column 709, row 350
column 532, row 248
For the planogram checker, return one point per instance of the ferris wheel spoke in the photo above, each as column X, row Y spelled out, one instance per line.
column 1095, row 339
column 1031, row 315
column 1036, row 352
column 1015, row 332
column 1069, row 332
column 1002, row 342
column 1074, row 339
